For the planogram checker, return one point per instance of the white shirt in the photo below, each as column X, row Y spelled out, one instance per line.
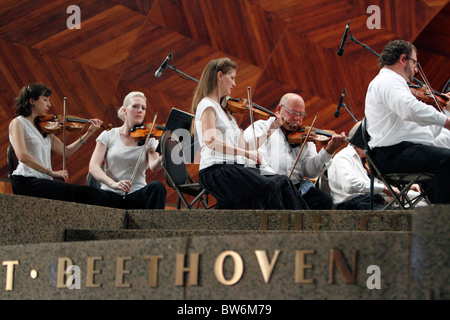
column 226, row 130
column 394, row 115
column 443, row 140
column 120, row 160
column 38, row 147
column 281, row 157
column 347, row 177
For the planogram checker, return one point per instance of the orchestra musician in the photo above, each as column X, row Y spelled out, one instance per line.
column 34, row 175
column 281, row 155
column 402, row 129
column 120, row 153
column 224, row 170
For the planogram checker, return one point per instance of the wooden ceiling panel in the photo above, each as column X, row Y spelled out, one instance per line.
column 280, row 46
column 236, row 27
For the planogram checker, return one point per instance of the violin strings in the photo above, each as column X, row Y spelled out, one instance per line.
column 422, row 74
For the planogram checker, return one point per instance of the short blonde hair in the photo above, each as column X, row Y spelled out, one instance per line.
column 126, row 101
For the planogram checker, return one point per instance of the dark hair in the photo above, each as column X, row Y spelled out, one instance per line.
column 393, row 50
column 32, row 91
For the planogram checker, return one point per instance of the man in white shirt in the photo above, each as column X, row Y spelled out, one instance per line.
column 402, row 129
column 281, row 156
column 349, row 181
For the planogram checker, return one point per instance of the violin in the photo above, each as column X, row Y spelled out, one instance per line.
column 424, row 94
column 242, row 106
column 53, row 124
column 318, row 136
column 140, row 131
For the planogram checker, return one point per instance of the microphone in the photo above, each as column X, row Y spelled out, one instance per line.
column 158, row 72
column 340, row 104
column 340, row 51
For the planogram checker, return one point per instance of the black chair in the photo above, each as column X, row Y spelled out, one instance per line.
column 402, row 181
column 176, row 175
column 92, row 182
column 13, row 162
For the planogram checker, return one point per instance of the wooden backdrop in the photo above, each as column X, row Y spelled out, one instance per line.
column 280, row 46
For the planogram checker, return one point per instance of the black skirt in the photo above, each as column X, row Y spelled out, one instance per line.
column 238, row 187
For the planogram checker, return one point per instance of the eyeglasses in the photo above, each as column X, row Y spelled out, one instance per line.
column 294, row 113
column 416, row 63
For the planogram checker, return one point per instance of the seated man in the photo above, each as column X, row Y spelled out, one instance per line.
column 281, row 156
column 349, row 181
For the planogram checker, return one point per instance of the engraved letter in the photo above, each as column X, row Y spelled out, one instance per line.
column 91, row 272
column 374, row 281
column 300, row 266
column 10, row 274
column 264, row 265
column 121, row 271
column 153, row 270
column 373, row 22
column 337, row 258
column 74, row 21
column 180, row 269
column 238, row 268
column 63, row 264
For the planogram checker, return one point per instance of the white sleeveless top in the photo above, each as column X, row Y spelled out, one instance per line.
column 37, row 146
column 227, row 130
column 120, row 160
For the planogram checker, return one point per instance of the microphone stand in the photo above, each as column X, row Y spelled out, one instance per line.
column 351, row 114
column 365, row 46
column 181, row 74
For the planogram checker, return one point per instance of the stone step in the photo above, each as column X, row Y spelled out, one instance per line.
column 227, row 255
column 307, row 220
column 35, row 220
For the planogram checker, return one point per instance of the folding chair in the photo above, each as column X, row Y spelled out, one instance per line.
column 13, row 162
column 402, row 181
column 91, row 181
column 176, row 175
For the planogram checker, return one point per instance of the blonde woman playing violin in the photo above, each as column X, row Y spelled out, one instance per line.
column 120, row 153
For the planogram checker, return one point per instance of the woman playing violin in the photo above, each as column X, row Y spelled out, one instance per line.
column 34, row 174
column 121, row 153
column 281, row 155
column 224, row 153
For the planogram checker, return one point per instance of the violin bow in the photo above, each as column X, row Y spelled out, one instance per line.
column 422, row 74
column 64, row 133
column 250, row 108
column 303, row 145
column 142, row 152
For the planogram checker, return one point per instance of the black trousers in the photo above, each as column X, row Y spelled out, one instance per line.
column 152, row 196
column 407, row 157
column 57, row 190
column 318, row 199
column 362, row 202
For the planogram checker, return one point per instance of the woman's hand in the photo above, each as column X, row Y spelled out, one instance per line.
column 254, row 155
column 59, row 175
column 124, row 185
column 95, row 125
